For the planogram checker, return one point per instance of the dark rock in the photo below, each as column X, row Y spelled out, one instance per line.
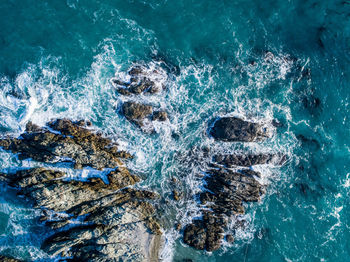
column 178, row 226
column 69, row 142
column 232, row 129
column 176, row 195
column 136, row 112
column 225, row 187
column 137, row 70
column 144, row 85
column 206, row 233
column 119, row 82
column 8, row 259
column 30, row 127
column 140, row 82
column 195, row 235
column 230, row 238
column 160, row 116
column 248, row 159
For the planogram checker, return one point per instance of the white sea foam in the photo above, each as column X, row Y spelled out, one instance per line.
column 44, row 92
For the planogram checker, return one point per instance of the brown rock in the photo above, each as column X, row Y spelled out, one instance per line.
column 8, row 259
column 160, row 116
column 73, row 143
column 230, row 238
column 136, row 112
column 176, row 195
column 178, row 226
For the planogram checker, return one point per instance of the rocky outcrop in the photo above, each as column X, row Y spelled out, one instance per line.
column 139, row 113
column 65, row 140
column 228, row 183
column 8, row 259
column 205, row 233
column 109, row 220
column 93, row 220
column 249, row 159
column 160, row 116
column 142, row 80
column 224, row 195
column 233, row 129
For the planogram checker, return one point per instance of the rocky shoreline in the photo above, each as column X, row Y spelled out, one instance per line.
column 110, row 219
column 91, row 220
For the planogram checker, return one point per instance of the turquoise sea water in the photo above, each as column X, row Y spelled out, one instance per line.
column 56, row 60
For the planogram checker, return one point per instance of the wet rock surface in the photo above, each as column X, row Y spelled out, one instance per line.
column 248, row 159
column 141, row 81
column 224, row 195
column 91, row 220
column 65, row 140
column 228, row 183
column 142, row 115
column 205, row 233
column 233, row 129
column 8, row 259
column 160, row 116
column 137, row 113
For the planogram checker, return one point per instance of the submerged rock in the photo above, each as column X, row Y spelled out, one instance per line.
column 233, row 129
column 230, row 238
column 66, row 141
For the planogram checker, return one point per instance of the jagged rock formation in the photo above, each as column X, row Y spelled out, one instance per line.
column 248, row 160
column 66, row 141
column 8, row 259
column 140, row 81
column 138, row 113
column 228, row 183
column 233, row 129
column 91, row 220
column 224, row 195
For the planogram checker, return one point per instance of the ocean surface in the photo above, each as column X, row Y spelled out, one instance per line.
column 286, row 60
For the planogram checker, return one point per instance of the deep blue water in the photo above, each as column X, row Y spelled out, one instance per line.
column 56, row 60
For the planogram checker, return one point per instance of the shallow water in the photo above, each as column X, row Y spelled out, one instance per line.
column 57, row 59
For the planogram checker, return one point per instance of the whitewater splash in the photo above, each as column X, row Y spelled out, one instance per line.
column 43, row 93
